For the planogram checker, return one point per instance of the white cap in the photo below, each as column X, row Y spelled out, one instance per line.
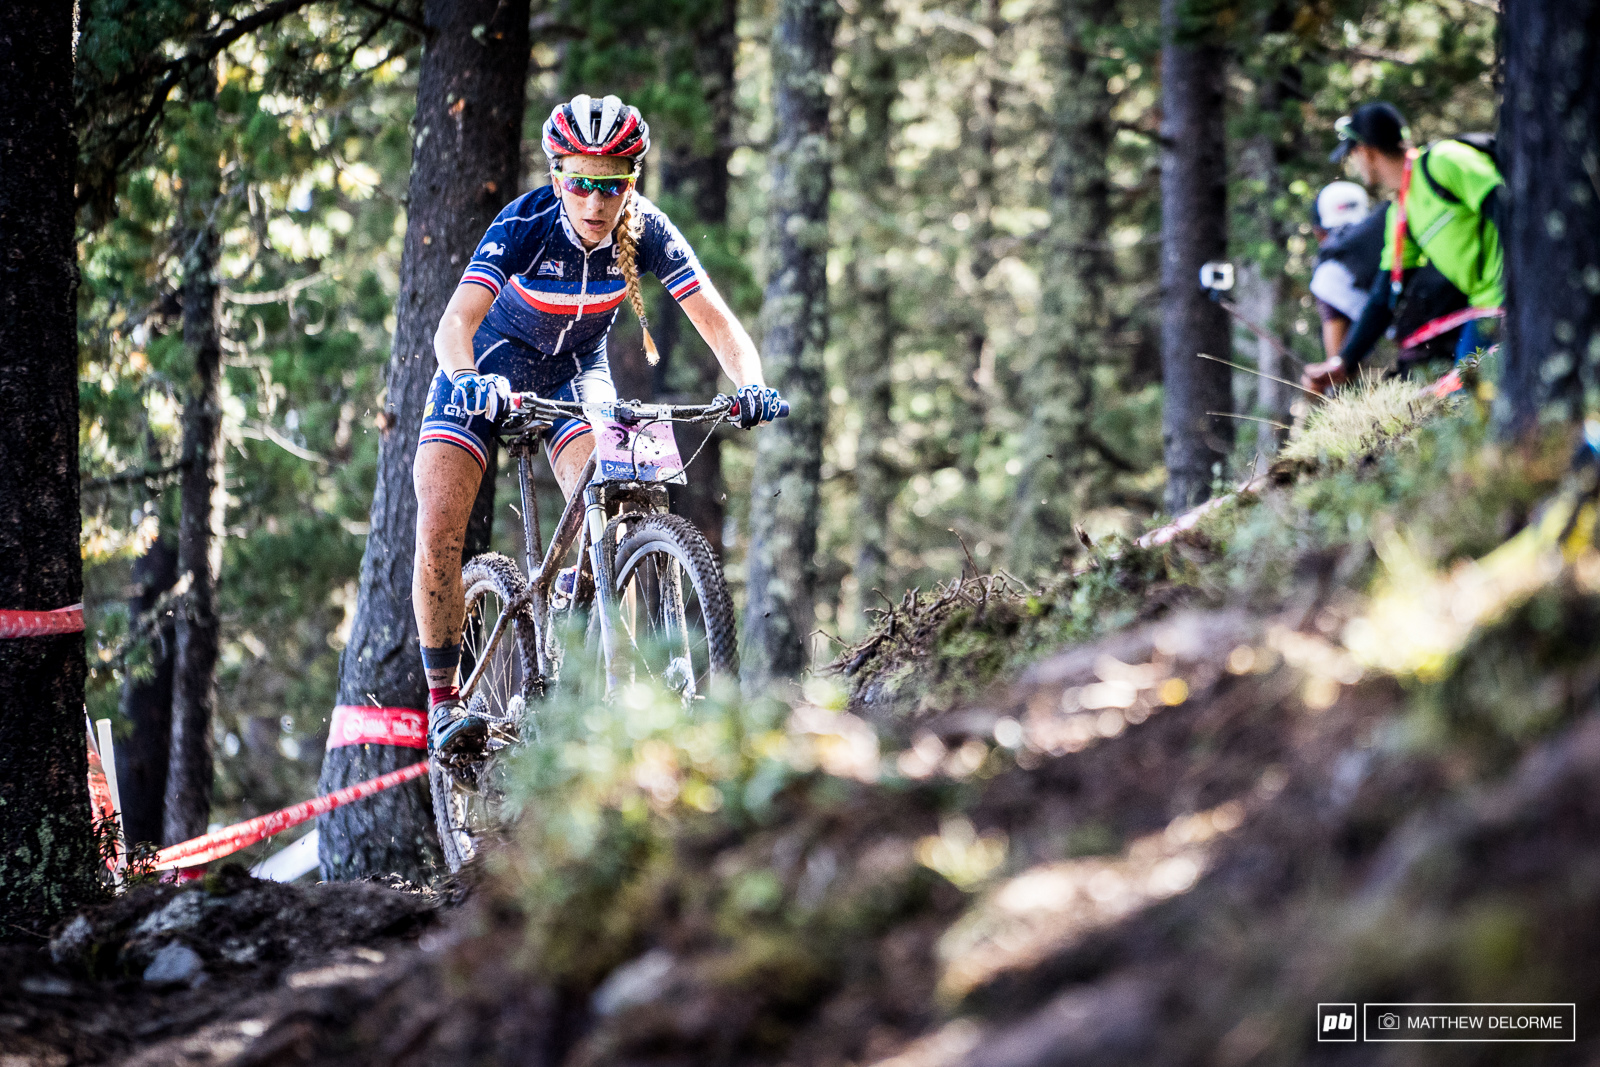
column 1340, row 204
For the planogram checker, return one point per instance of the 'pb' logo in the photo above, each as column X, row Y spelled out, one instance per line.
column 1336, row 1022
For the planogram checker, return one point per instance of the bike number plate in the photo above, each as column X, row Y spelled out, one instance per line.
column 642, row 453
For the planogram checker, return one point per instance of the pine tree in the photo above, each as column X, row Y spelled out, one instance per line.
column 466, row 138
column 1056, row 453
column 784, row 492
column 1194, row 231
column 876, row 87
column 47, row 850
column 200, row 523
column 975, row 383
column 1549, row 150
column 147, row 699
column 695, row 171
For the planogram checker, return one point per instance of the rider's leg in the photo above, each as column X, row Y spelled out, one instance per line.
column 570, row 441
column 446, row 479
column 568, row 463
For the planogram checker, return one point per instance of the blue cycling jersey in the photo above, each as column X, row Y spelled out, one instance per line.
column 554, row 305
column 554, row 296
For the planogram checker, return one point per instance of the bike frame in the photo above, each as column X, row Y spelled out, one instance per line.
column 586, row 515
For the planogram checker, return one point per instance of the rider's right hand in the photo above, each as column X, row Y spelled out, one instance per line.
column 488, row 395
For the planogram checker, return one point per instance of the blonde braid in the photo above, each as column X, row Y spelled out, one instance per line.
column 630, row 227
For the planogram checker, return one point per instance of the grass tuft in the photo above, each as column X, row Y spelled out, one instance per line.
column 1371, row 415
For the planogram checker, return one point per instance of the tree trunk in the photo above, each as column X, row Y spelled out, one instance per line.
column 877, row 87
column 1194, row 231
column 1060, row 387
column 1261, row 290
column 1550, row 154
column 147, row 702
column 466, row 139
column 1258, row 293
column 47, row 852
column 202, row 498
column 977, row 373
column 784, row 493
column 700, row 176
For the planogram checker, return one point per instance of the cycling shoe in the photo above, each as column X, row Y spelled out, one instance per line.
column 564, row 587
column 454, row 733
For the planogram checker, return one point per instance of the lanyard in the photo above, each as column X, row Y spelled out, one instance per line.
column 1396, row 269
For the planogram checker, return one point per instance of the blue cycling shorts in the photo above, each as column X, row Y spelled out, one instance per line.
column 583, row 378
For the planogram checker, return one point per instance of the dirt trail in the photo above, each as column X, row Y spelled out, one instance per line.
column 1188, row 834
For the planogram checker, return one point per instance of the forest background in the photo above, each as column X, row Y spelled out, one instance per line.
column 981, row 398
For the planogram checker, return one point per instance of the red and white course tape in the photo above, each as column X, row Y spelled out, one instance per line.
column 231, row 839
column 1444, row 324
column 42, row 623
column 355, row 724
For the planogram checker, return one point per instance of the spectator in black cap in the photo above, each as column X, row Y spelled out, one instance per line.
column 1445, row 241
column 1376, row 134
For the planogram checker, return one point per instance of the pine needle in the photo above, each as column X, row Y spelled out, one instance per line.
column 1262, row 374
column 1252, row 418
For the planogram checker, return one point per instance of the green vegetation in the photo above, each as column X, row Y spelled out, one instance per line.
column 1372, row 414
column 1376, row 457
column 310, row 125
column 767, row 855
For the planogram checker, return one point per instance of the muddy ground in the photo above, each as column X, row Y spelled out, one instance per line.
column 1165, row 847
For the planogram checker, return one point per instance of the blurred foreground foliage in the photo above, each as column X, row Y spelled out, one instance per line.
column 916, row 846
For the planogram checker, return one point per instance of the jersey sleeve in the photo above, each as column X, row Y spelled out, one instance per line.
column 664, row 253
column 1334, row 285
column 504, row 243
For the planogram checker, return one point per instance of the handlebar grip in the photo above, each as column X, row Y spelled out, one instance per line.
column 783, row 409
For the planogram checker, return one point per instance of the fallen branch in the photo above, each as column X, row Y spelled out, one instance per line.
column 144, row 474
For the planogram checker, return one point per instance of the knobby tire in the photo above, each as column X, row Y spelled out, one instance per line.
column 657, row 555
column 506, row 692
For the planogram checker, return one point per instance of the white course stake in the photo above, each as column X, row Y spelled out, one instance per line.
column 108, row 763
column 289, row 863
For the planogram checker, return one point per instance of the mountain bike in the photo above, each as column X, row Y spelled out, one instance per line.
column 648, row 594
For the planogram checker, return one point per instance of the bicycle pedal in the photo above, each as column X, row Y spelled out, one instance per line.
column 679, row 675
column 466, row 774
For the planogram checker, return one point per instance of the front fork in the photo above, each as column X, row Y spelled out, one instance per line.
column 594, row 516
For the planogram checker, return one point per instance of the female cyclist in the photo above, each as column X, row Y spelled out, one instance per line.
column 531, row 314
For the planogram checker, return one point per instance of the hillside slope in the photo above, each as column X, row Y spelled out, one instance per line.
column 1333, row 743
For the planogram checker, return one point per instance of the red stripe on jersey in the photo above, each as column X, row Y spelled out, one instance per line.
column 595, row 306
column 683, row 288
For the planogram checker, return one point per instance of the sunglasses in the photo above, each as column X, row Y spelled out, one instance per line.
column 607, row 185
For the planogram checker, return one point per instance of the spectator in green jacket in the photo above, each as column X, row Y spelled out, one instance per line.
column 1450, row 192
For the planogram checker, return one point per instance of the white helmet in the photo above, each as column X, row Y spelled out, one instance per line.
column 1340, row 204
column 584, row 126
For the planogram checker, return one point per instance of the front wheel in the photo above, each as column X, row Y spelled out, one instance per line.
column 467, row 796
column 673, row 604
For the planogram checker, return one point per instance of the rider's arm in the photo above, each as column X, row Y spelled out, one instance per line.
column 452, row 342
column 726, row 336
column 1375, row 318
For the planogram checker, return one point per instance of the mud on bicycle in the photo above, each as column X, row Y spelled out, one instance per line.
column 646, row 591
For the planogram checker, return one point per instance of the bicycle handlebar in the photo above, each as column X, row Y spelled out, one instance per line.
column 531, row 407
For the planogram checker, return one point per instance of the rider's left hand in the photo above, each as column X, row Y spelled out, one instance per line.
column 756, row 405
